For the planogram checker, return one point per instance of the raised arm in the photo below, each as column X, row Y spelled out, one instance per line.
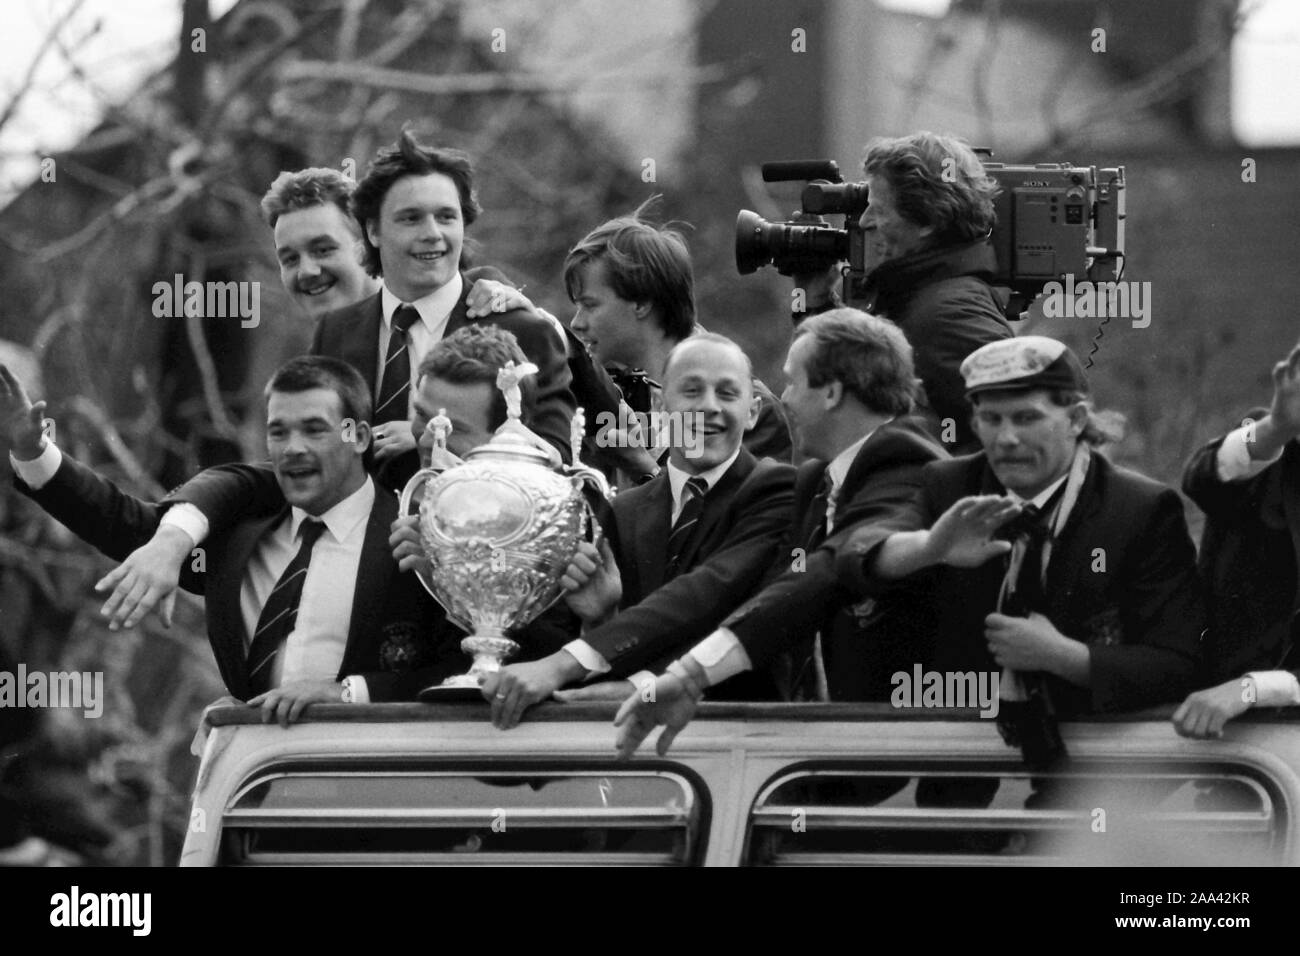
column 92, row 507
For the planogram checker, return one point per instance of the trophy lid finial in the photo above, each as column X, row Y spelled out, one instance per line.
column 508, row 379
column 441, row 427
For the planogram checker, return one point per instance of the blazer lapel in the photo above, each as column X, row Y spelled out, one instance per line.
column 459, row 317
column 717, row 504
column 812, row 529
column 861, row 466
column 360, row 344
column 374, row 579
column 226, row 631
column 810, row 510
column 653, row 518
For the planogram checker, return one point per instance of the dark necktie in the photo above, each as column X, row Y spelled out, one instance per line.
column 395, row 384
column 1031, row 527
column 692, row 507
column 280, row 612
column 817, row 509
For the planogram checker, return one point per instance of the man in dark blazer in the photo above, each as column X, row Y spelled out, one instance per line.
column 1248, row 484
column 850, row 384
column 284, row 628
column 688, row 546
column 413, row 205
column 1114, row 619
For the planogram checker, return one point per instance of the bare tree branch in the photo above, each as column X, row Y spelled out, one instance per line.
column 29, row 78
column 422, row 83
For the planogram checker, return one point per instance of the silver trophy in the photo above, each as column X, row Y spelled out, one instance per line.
column 499, row 529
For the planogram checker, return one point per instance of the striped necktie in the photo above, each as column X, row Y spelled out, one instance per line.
column 819, row 507
column 692, row 506
column 395, row 384
column 280, row 613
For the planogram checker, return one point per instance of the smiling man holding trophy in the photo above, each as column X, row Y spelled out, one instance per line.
column 494, row 533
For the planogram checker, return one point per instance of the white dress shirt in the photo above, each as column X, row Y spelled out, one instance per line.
column 435, row 309
column 314, row 648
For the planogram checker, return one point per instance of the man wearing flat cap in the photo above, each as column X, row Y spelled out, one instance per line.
column 1048, row 562
column 1072, row 578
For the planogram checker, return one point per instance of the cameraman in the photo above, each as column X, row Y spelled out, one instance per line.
column 928, row 262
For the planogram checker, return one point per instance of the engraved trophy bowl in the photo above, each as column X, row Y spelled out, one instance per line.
column 499, row 529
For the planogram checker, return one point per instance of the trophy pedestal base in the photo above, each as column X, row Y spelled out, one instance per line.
column 489, row 650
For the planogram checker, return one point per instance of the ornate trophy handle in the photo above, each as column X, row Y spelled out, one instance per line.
column 582, row 475
column 416, row 484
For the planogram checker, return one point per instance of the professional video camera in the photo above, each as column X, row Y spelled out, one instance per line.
column 1053, row 220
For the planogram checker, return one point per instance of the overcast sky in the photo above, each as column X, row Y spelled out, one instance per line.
column 118, row 41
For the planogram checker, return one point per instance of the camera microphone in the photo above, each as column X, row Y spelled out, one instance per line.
column 786, row 170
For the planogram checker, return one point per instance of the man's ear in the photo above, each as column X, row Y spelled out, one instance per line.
column 1078, row 418
column 832, row 394
column 372, row 231
column 363, row 437
column 642, row 310
column 755, row 405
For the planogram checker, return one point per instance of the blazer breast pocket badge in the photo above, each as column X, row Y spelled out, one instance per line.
column 1104, row 629
column 401, row 650
column 863, row 612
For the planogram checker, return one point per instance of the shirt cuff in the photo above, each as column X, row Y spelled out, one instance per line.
column 1233, row 461
column 360, row 689
column 721, row 655
column 590, row 658
column 38, row 472
column 1275, row 688
column 189, row 519
column 642, row 680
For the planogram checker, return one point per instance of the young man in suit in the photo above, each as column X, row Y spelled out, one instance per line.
column 687, row 546
column 304, row 605
column 1248, row 484
column 634, row 288
column 850, row 387
column 413, row 206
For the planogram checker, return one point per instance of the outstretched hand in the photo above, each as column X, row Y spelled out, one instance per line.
column 1285, row 408
column 22, row 422
column 669, row 702
column 962, row 536
column 148, row 578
